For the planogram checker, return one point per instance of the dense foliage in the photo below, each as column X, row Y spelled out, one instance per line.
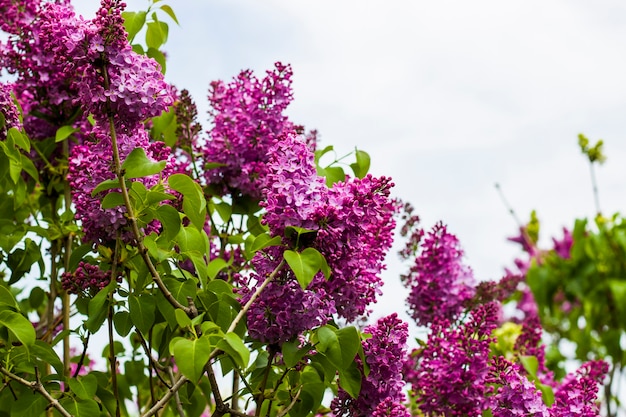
column 228, row 271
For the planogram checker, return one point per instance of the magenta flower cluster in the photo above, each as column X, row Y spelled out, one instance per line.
column 86, row 279
column 110, row 78
column 515, row 395
column 351, row 223
column 381, row 388
column 247, row 117
column 9, row 111
column 112, row 83
column 449, row 373
column 284, row 309
column 90, row 164
column 439, row 283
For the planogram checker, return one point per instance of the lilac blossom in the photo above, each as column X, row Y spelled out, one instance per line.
column 41, row 87
column 86, row 279
column 448, row 375
column 439, row 282
column 381, row 389
column 354, row 236
column 247, row 117
column 389, row 408
column 283, row 309
column 90, row 164
column 9, row 111
column 514, row 394
column 577, row 395
column 109, row 77
column 352, row 223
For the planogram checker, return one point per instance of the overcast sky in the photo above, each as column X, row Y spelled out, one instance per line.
column 448, row 97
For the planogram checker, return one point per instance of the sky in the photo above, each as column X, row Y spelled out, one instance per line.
column 448, row 98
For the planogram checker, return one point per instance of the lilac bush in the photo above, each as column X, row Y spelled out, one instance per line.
column 228, row 260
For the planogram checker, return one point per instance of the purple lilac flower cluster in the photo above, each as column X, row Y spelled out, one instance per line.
column 86, row 279
column 110, row 78
column 381, row 388
column 439, row 282
column 578, row 392
column 9, row 111
column 247, row 119
column 352, row 223
column 113, row 82
column 284, row 309
column 41, row 86
column 514, row 394
column 448, row 374
column 14, row 15
column 90, row 164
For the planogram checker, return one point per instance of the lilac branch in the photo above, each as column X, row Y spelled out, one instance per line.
column 37, row 386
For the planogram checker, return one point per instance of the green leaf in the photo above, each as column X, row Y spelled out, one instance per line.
column 182, row 290
column 320, row 153
column 167, row 9
column 112, row 199
column 194, row 203
column 19, row 138
column 332, row 175
column 97, row 310
column 292, row 354
column 156, row 34
column 306, row 264
column 618, row 290
column 84, row 387
column 547, row 393
column 133, row 22
column 64, row 132
column 138, row 165
column 19, row 325
column 182, row 318
column 530, row 364
column 81, row 408
column 105, row 185
column 35, row 298
column 29, row 404
column 142, row 311
column 44, row 352
column 191, row 239
column 170, row 220
column 263, row 241
column 330, row 347
column 232, row 345
column 191, row 356
column 350, row 380
column 362, row 164
column 123, row 323
column 215, row 266
column 78, row 254
column 164, row 127
column 29, row 167
column 6, row 297
column 225, row 211
column 350, row 342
